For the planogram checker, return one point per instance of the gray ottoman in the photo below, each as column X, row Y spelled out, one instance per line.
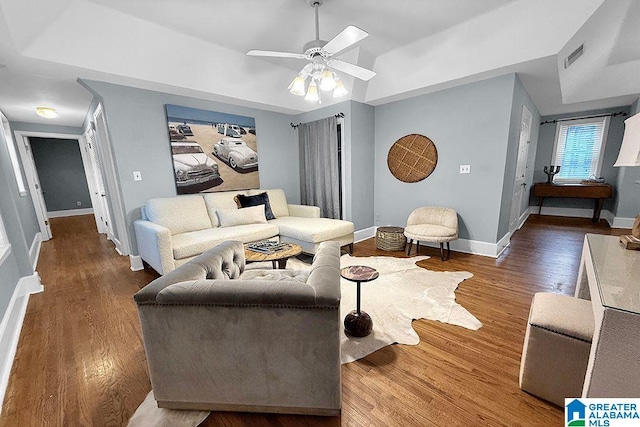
column 556, row 347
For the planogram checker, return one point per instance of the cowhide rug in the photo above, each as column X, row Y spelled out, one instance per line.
column 402, row 293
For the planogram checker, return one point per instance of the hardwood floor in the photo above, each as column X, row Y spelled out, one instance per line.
column 80, row 360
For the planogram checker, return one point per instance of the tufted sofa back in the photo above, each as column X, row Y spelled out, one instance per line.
column 223, row 262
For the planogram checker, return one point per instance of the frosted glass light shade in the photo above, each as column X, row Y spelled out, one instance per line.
column 630, row 150
column 46, row 112
column 297, row 86
column 340, row 90
column 328, row 82
column 312, row 93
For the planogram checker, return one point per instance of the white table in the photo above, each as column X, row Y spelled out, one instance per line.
column 609, row 276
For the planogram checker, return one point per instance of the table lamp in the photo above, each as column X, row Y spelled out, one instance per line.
column 629, row 156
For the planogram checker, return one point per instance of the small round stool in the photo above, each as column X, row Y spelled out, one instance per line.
column 358, row 323
column 390, row 239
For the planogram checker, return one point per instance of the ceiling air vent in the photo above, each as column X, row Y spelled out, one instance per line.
column 573, row 56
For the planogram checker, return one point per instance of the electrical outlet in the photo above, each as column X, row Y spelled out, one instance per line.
column 378, row 217
column 137, row 176
column 465, row 168
column 79, row 203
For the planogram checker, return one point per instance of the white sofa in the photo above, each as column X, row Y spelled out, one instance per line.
column 174, row 230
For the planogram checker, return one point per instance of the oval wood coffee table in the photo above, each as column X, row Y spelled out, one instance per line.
column 278, row 258
column 358, row 323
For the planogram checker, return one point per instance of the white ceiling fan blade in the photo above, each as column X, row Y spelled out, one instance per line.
column 271, row 53
column 346, row 38
column 354, row 70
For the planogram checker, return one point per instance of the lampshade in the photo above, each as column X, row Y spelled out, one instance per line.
column 312, row 92
column 328, row 82
column 340, row 90
column 46, row 112
column 297, row 86
column 630, row 150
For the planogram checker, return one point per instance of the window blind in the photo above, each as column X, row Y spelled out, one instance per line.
column 579, row 147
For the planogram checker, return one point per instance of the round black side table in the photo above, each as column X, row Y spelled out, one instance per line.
column 358, row 323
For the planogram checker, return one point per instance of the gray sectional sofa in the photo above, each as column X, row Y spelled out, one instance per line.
column 221, row 338
column 174, row 230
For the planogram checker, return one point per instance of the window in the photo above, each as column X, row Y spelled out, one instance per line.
column 579, row 148
column 13, row 155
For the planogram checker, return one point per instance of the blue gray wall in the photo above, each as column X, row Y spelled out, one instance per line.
column 469, row 124
column 18, row 263
column 137, row 128
column 520, row 99
column 61, row 173
column 628, row 188
column 544, row 155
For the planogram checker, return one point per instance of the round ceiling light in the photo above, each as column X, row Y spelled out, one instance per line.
column 46, row 112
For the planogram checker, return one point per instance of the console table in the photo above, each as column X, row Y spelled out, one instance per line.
column 597, row 191
column 609, row 276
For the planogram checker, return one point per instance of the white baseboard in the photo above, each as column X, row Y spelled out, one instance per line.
column 69, row 212
column 34, row 250
column 364, row 234
column 573, row 212
column 504, row 243
column 12, row 324
column 619, row 222
column 136, row 263
column 474, row 247
column 523, row 218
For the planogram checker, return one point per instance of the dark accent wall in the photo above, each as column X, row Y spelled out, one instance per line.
column 61, row 173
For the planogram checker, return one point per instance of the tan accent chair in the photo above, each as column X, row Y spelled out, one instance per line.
column 218, row 339
column 556, row 347
column 432, row 224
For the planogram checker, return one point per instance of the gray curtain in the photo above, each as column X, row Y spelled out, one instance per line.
column 319, row 168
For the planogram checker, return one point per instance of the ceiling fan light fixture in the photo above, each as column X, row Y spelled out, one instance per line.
column 297, row 86
column 327, row 82
column 312, row 93
column 46, row 112
column 339, row 90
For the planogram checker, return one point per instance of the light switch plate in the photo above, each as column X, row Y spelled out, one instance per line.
column 465, row 168
column 137, row 176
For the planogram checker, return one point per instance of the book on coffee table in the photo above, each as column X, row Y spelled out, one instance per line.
column 267, row 247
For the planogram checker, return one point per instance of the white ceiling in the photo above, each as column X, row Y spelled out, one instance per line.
column 197, row 48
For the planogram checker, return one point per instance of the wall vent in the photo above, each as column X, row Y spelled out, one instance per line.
column 573, row 56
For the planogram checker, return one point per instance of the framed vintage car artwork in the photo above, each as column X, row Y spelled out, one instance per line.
column 212, row 151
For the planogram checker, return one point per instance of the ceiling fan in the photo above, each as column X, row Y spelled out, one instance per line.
column 320, row 54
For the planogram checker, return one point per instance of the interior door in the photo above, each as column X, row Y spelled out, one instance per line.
column 106, row 223
column 95, row 180
column 36, row 189
column 112, row 194
column 519, row 186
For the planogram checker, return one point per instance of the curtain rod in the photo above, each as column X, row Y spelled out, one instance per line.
column 339, row 115
column 619, row 113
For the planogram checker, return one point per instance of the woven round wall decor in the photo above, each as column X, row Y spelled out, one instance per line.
column 412, row 158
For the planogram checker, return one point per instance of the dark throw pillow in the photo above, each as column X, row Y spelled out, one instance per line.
column 259, row 199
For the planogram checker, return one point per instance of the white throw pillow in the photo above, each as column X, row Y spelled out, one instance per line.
column 243, row 216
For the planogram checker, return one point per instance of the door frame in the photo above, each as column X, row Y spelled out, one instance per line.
column 92, row 181
column 514, row 223
column 31, row 173
column 112, row 183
